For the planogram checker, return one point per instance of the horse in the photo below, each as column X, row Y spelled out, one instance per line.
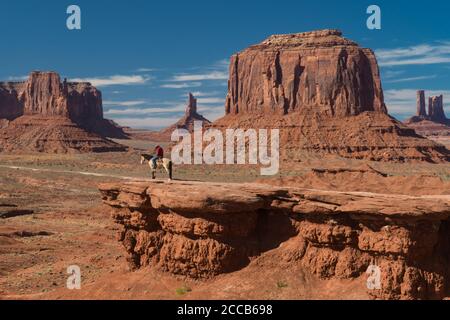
column 160, row 164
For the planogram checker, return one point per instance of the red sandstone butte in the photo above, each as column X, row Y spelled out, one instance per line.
column 324, row 94
column 312, row 70
column 46, row 115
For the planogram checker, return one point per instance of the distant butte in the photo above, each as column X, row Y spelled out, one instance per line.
column 435, row 113
column 190, row 116
column 44, row 114
column 186, row 122
column 432, row 123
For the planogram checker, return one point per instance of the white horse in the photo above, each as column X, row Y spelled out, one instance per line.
column 160, row 164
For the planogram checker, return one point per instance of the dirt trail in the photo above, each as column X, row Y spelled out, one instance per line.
column 85, row 173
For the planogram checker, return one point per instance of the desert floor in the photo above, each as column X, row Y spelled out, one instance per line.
column 51, row 217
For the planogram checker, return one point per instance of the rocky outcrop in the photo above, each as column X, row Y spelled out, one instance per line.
column 431, row 124
column 314, row 71
column 201, row 230
column 44, row 95
column 190, row 116
column 84, row 102
column 186, row 122
column 421, row 110
column 28, row 134
column 46, row 115
column 11, row 106
column 436, row 111
column 324, row 94
column 363, row 178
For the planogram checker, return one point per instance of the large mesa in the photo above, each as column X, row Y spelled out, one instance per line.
column 46, row 114
column 324, row 93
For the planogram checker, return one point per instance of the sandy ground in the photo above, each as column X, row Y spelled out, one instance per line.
column 51, row 217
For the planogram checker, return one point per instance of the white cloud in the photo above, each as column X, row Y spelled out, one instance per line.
column 213, row 75
column 181, row 85
column 144, row 111
column 411, row 79
column 423, row 54
column 18, row 78
column 146, row 123
column 124, row 103
column 203, row 94
column 114, row 80
column 211, row 100
column 212, row 113
column 389, row 74
column 145, row 70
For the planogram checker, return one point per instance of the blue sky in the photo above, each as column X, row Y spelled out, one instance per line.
column 146, row 56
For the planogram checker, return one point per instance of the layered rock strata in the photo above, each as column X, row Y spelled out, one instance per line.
column 46, row 115
column 201, row 230
column 316, row 71
column 324, row 93
column 45, row 95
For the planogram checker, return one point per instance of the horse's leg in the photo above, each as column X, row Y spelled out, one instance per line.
column 152, row 170
column 168, row 168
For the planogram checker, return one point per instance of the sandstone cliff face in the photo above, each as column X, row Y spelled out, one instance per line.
column 436, row 107
column 324, row 94
column 45, row 95
column 11, row 102
column 47, row 115
column 205, row 229
column 84, row 102
column 312, row 72
column 421, row 110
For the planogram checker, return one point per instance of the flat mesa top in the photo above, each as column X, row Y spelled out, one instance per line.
column 318, row 39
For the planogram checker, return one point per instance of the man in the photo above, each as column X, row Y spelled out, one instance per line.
column 158, row 154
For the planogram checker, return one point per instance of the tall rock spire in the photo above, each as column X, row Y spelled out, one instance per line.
column 437, row 109
column 191, row 108
column 421, row 111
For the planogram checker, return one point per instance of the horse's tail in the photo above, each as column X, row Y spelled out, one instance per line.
column 170, row 169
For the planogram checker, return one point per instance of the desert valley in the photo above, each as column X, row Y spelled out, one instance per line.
column 356, row 189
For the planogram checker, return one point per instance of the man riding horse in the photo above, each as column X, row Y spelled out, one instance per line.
column 157, row 160
column 158, row 154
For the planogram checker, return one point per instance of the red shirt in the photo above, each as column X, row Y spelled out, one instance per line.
column 159, row 152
